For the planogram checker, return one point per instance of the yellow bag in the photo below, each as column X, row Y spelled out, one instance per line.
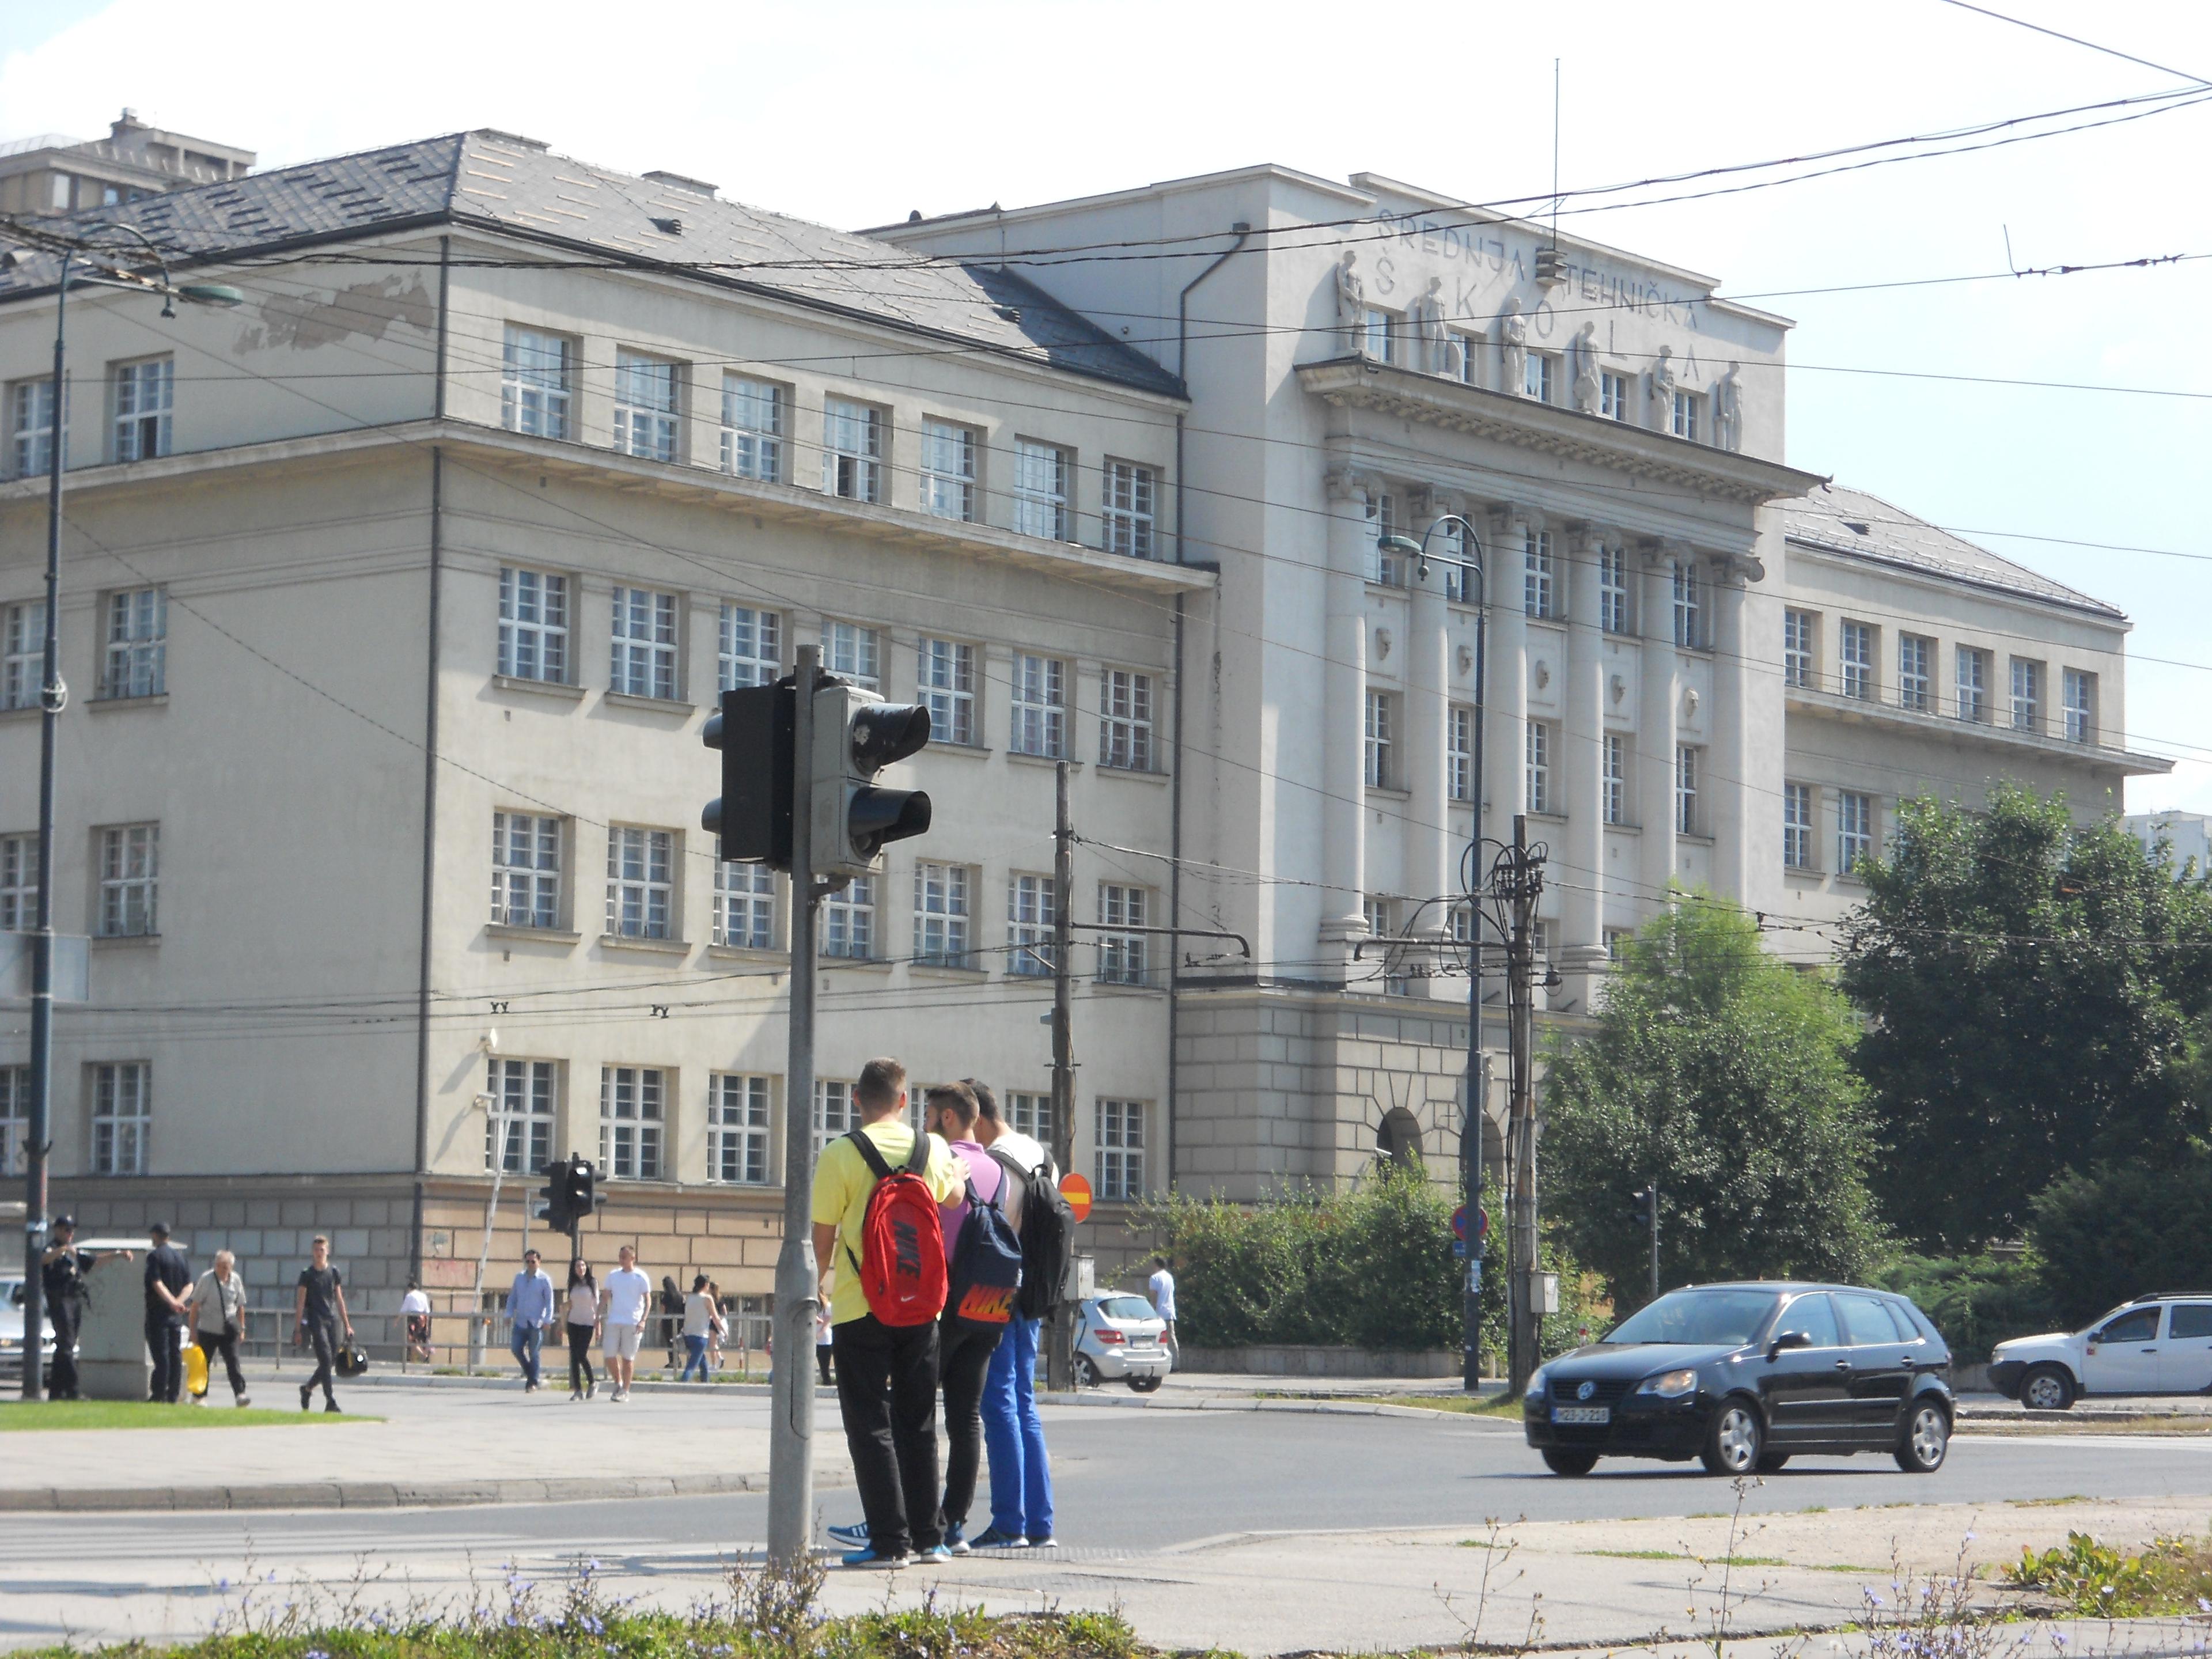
column 195, row 1370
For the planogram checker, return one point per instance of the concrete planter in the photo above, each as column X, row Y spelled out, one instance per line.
column 1287, row 1360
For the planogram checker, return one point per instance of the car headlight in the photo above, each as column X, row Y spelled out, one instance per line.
column 1536, row 1381
column 1670, row 1385
column 7, row 1341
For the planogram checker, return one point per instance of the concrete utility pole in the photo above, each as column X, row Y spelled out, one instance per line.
column 1520, row 882
column 1059, row 1342
column 1651, row 1196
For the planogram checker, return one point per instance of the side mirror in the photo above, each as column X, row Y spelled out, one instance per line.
column 1788, row 1339
column 16, row 1296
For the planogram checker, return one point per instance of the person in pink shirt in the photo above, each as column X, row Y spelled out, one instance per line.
column 963, row 1350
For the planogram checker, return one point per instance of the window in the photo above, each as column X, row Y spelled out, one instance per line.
column 643, row 655
column 1538, row 587
column 752, row 427
column 836, row 1113
column 1855, row 654
column 1797, row 668
column 852, row 450
column 1131, row 491
column 1688, row 765
column 1040, row 490
column 1854, row 830
column 1612, row 395
column 2188, row 1319
column 946, row 676
column 1617, row 941
column 1381, row 523
column 525, row 870
column 1689, row 608
column 1973, row 684
column 536, row 374
column 1381, row 336
column 519, row 1124
column 31, row 426
column 854, row 652
column 948, row 469
column 2027, row 694
column 1540, row 767
column 1616, row 778
column 1459, row 753
column 1685, row 415
column 1613, row 589
column 2081, row 707
column 1125, row 719
column 744, row 906
column 640, row 881
column 19, row 884
column 1031, row 1115
column 1031, row 910
column 137, row 644
column 1914, row 655
column 1040, row 707
column 141, row 408
column 1120, row 1150
column 1541, row 369
column 631, row 1098
column 1380, row 726
column 1380, row 923
column 1452, row 548
column 121, row 1117
column 1468, row 357
column 14, row 1117
column 1797, row 826
column 130, row 878
column 2139, row 1326
column 1120, row 956
column 645, row 406
column 23, row 655
column 941, row 916
column 737, row 1129
column 533, row 625
column 748, row 649
column 848, row 921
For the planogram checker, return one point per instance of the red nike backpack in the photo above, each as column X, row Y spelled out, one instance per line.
column 901, row 1261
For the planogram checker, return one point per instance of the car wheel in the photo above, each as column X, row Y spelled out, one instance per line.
column 2047, row 1388
column 1144, row 1384
column 1927, row 1439
column 1561, row 1462
column 1733, row 1443
column 1769, row 1461
column 1086, row 1373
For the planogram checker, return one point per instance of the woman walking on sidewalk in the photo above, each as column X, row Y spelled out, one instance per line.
column 218, row 1319
column 699, row 1317
column 583, row 1329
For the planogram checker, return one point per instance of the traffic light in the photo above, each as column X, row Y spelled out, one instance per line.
column 752, row 728
column 579, row 1188
column 554, row 1212
column 1641, row 1199
column 856, row 735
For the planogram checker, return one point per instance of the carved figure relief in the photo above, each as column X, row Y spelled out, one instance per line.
column 1351, row 305
column 1690, row 703
column 1542, row 674
column 1662, row 391
column 1619, row 688
column 1586, row 387
column 1425, row 316
column 1728, row 409
column 1513, row 348
column 1466, row 661
column 1381, row 645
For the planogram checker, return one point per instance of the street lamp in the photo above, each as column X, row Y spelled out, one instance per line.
column 53, row 697
column 1470, row 1159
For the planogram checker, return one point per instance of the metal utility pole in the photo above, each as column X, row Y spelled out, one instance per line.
column 1651, row 1198
column 1520, row 880
column 1060, row 1338
column 797, row 1281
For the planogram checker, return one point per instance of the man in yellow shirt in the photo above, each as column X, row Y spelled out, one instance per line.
column 886, row 1374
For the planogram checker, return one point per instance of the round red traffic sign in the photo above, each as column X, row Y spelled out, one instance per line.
column 1076, row 1191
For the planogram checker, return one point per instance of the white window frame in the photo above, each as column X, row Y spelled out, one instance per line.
column 1032, row 1115
column 2027, row 694
column 837, row 1112
column 944, row 914
column 1613, row 589
column 1454, row 539
column 1798, row 666
column 1615, row 781
column 948, row 469
column 1689, row 605
column 1459, row 752
column 1122, row 957
column 633, row 1116
column 1042, row 475
column 14, row 1118
column 145, row 396
column 22, row 654
column 848, row 927
column 755, row 418
column 1856, row 658
column 520, row 1124
column 1125, row 720
column 749, row 647
column 1973, row 669
column 1538, row 584
column 1540, row 380
column 1797, row 826
column 1379, row 737
column 121, row 1117
column 744, row 906
column 2080, row 687
column 136, row 659
column 648, row 391
column 1916, row 658
column 1470, row 358
column 1854, row 830
column 641, row 882
column 1689, row 767
column 526, row 869
column 533, row 625
column 1379, row 334
column 1119, row 1147
column 19, row 884
column 1614, row 394
column 854, row 652
column 740, row 1124
column 945, row 681
column 1683, row 419
column 1032, row 909
column 1384, row 568
column 852, row 449
column 130, row 880
column 1539, row 746
column 1130, row 504
column 641, row 643
column 1039, row 706
column 30, row 428
column 538, row 381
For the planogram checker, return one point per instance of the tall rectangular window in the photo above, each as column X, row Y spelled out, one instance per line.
column 143, row 395
column 1613, row 589
column 2081, row 707
column 642, row 657
column 1855, row 658
column 121, row 1117
column 631, row 1099
column 136, row 664
column 1040, row 707
column 854, row 652
column 1031, row 910
column 1689, row 606
column 1616, row 778
column 533, row 625
column 537, row 376
column 744, row 906
column 1542, row 372
column 1797, row 826
column 1685, row 415
column 1914, row 657
column 1451, row 547
column 941, row 915
column 1797, row 665
column 19, row 884
column 1540, row 767
column 737, row 1116
column 640, row 881
column 519, row 1123
column 1854, row 830
column 1381, row 726
column 852, row 450
column 1689, row 769
column 525, row 870
column 130, row 880
column 645, row 406
column 1973, row 684
column 848, row 921
column 1459, row 753
column 1120, row 1149
column 14, row 1117
column 948, row 469
column 1041, row 506
column 836, row 1112
column 945, row 676
column 1612, row 395
column 1381, row 328
column 1380, row 924
column 1125, row 719
column 30, row 428
column 2027, row 694
column 1122, row 955
column 1130, row 495
column 1539, row 588
column 753, row 426
column 1467, row 358
column 1382, row 523
column 23, row 653
column 1031, row 1115
column 749, row 647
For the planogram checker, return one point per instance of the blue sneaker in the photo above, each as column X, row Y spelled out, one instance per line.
column 934, row 1552
column 956, row 1538
column 992, row 1539
column 875, row 1559
column 853, row 1536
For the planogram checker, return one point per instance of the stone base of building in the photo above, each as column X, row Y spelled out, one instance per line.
column 1297, row 1361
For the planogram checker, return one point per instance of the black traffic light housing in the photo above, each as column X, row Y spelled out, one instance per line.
column 1641, row 1200
column 856, row 735
column 554, row 1211
column 752, row 729
column 570, row 1193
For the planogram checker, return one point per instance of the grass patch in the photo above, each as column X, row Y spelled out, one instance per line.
column 1486, row 1405
column 1678, row 1555
column 31, row 1415
column 2045, row 1503
column 1845, row 1566
column 2174, row 1576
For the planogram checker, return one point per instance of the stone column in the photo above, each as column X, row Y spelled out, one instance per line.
column 1343, row 731
column 1428, row 694
column 1582, row 763
column 1732, row 797
column 1507, row 739
column 1656, row 713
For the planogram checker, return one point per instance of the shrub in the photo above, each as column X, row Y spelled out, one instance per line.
column 1976, row 1301
column 2120, row 1230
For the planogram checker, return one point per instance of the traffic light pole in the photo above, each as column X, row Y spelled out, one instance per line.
column 1060, row 1336
column 1651, row 1198
column 1524, row 882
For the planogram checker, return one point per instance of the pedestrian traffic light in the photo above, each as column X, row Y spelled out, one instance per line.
column 752, row 728
column 856, row 735
column 580, row 1197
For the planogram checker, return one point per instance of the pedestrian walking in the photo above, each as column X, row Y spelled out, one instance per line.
column 870, row 1186
column 1162, row 1286
column 168, row 1281
column 717, row 1331
column 624, row 1301
column 671, row 1320
column 529, row 1311
column 61, row 1268
column 582, row 1323
column 699, row 1319
column 415, row 1313
column 218, row 1320
column 1014, row 1431
column 319, row 1312
column 984, row 1260
column 825, row 1351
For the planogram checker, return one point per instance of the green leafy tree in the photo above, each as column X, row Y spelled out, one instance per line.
column 1725, row 1075
column 2116, row 1230
column 2028, row 987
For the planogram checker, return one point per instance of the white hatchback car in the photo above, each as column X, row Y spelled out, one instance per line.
column 2156, row 1344
column 1120, row 1335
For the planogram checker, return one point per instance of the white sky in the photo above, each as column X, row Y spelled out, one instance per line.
column 854, row 113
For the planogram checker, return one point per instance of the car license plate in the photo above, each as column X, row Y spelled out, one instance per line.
column 1143, row 1342
column 1581, row 1413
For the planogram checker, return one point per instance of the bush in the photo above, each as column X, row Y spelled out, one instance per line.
column 1976, row 1301
column 2120, row 1230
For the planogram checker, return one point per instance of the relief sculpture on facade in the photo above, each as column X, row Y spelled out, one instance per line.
column 1513, row 346
column 1585, row 370
column 1728, row 409
column 1662, row 391
column 1351, row 305
column 1439, row 353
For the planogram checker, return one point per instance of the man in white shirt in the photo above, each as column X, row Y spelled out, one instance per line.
column 414, row 1311
column 1013, row 1433
column 1161, row 1284
column 623, row 1300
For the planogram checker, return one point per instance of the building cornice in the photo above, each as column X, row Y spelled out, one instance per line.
column 2086, row 609
column 1865, row 711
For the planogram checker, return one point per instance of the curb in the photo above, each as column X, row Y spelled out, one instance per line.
column 382, row 1494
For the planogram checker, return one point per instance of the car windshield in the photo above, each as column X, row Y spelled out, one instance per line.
column 1701, row 1317
column 1126, row 1307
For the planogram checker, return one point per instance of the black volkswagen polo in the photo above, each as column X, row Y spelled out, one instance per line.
column 1747, row 1376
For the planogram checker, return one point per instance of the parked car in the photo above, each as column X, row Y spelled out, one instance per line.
column 1747, row 1376
column 1119, row 1337
column 11, row 1336
column 2161, row 1343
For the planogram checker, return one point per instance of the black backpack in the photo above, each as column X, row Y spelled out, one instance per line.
column 984, row 1273
column 1047, row 1236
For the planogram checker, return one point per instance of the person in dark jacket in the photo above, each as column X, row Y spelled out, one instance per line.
column 169, row 1289
column 61, row 1268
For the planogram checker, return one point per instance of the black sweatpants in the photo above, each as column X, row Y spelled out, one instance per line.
column 65, row 1316
column 223, row 1342
column 963, row 1358
column 579, row 1358
column 165, row 1340
column 323, row 1335
column 887, row 1393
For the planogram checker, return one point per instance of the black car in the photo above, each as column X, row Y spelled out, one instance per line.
column 1747, row 1376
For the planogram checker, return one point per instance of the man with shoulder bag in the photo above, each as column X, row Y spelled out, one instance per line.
column 217, row 1315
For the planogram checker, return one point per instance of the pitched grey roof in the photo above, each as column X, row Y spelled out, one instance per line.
column 1860, row 525
column 496, row 181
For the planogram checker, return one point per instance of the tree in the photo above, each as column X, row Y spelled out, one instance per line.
column 1725, row 1075
column 2028, row 987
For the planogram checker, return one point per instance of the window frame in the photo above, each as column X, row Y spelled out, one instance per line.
column 1612, row 783
column 1858, row 654
column 549, row 638
column 1915, row 676
column 1032, row 911
column 1539, row 379
column 2081, row 711
column 1801, row 661
column 1689, row 784
column 1854, row 829
column 1379, row 739
column 1689, row 605
column 1128, row 510
column 949, row 492
column 1798, row 814
column 853, row 441
column 1126, row 720
column 114, row 1130
column 1682, row 420
column 650, row 429
column 19, row 883
column 749, row 450
column 744, row 915
column 2029, row 695
column 863, row 662
column 1459, row 752
column 647, row 1088
column 1974, row 710
column 1538, row 750
column 649, row 884
column 530, row 401
column 23, row 653
column 528, row 891
column 1613, row 588
column 31, row 441
column 848, row 922
column 134, row 658
column 944, row 914
column 1615, row 395
column 1381, row 522
column 835, row 1110
column 130, row 880
column 520, row 1143
column 748, row 647
column 644, row 632
column 1122, row 957
column 741, row 1121
column 945, row 682
column 1538, row 575
column 1043, row 495
column 1119, row 1147
column 142, row 427
column 1037, row 697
